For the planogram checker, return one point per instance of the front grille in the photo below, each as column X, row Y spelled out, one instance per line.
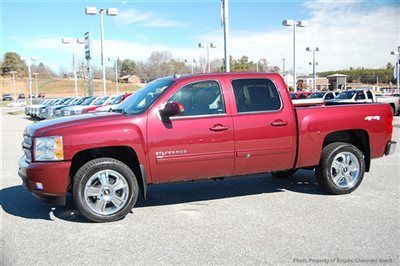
column 27, row 148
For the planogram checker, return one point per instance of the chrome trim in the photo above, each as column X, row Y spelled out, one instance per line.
column 196, row 116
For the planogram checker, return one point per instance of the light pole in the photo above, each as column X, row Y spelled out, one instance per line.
column 225, row 23
column 283, row 69
column 397, row 67
column 316, row 49
column 294, row 24
column 36, row 86
column 73, row 42
column 32, row 59
column 13, row 76
column 109, row 12
column 116, row 71
column 192, row 62
column 208, row 46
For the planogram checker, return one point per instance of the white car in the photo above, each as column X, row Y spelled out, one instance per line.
column 17, row 103
column 316, row 98
column 366, row 96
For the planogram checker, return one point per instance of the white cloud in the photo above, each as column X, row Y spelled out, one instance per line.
column 146, row 19
column 346, row 33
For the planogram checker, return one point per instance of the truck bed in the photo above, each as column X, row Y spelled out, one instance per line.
column 315, row 123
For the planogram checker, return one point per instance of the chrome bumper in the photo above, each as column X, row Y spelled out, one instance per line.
column 390, row 147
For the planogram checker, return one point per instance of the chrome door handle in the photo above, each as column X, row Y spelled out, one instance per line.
column 219, row 127
column 279, row 123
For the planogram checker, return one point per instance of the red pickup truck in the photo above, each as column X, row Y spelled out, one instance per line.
column 198, row 127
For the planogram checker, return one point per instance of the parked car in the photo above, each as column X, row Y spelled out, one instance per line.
column 21, row 96
column 365, row 96
column 70, row 110
column 76, row 110
column 17, row 103
column 42, row 110
column 315, row 98
column 300, row 95
column 50, row 110
column 7, row 97
column 95, row 104
column 32, row 110
column 178, row 129
column 41, row 95
column 114, row 103
column 393, row 101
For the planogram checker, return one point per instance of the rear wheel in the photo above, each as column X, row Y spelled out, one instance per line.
column 105, row 190
column 284, row 174
column 341, row 168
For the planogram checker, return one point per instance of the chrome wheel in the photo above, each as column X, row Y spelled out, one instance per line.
column 345, row 170
column 106, row 192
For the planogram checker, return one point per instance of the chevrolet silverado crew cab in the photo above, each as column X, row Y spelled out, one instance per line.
column 199, row 127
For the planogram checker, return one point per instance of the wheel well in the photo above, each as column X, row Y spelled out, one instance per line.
column 357, row 137
column 122, row 153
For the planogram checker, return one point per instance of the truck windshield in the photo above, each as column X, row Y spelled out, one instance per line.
column 346, row 95
column 145, row 96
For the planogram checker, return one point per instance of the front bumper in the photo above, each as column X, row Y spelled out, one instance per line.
column 390, row 147
column 45, row 178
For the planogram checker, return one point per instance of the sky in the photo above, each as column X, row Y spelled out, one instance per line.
column 348, row 33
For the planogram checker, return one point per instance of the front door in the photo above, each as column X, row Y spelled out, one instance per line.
column 264, row 127
column 197, row 144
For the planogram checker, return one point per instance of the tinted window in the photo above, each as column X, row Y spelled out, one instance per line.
column 200, row 98
column 139, row 101
column 316, row 95
column 302, row 96
column 369, row 95
column 360, row 95
column 346, row 95
column 329, row 96
column 254, row 95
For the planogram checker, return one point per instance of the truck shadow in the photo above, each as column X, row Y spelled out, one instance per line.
column 18, row 201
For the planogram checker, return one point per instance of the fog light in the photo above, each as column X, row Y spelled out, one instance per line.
column 39, row 186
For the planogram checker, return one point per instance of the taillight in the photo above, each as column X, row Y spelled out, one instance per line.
column 389, row 125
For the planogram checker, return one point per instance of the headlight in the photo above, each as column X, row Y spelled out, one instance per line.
column 67, row 112
column 58, row 112
column 48, row 149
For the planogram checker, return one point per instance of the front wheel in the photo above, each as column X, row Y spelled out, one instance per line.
column 341, row 168
column 105, row 190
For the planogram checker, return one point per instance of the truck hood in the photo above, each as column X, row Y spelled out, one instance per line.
column 58, row 124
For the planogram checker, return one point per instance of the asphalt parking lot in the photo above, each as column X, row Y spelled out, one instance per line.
column 253, row 220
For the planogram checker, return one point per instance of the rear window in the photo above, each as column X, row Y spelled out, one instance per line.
column 256, row 95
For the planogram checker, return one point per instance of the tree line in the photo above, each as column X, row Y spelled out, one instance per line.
column 162, row 63
column 365, row 75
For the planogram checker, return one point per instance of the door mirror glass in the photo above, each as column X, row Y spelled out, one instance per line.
column 172, row 109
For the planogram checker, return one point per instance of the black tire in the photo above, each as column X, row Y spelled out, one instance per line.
column 323, row 170
column 285, row 174
column 83, row 175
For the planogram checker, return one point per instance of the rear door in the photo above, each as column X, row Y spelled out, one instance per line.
column 264, row 127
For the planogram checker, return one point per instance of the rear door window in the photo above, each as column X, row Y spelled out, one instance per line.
column 256, row 95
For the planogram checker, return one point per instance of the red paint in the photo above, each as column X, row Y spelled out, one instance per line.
column 228, row 144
